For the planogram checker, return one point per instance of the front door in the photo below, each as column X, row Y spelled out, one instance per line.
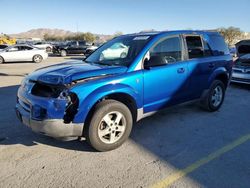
column 165, row 75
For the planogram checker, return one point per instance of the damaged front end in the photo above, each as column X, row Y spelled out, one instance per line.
column 59, row 93
column 48, row 108
column 46, row 101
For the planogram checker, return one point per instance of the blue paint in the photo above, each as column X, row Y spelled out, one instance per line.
column 152, row 89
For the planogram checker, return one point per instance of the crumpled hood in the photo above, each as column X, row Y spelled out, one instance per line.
column 67, row 72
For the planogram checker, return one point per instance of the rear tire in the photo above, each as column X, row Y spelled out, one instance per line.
column 48, row 49
column 110, row 125
column 215, row 96
column 123, row 55
column 1, row 60
column 63, row 53
column 37, row 58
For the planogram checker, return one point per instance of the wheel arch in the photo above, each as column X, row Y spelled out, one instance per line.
column 220, row 74
column 61, row 49
column 35, row 55
column 121, row 93
column 124, row 98
column 223, row 77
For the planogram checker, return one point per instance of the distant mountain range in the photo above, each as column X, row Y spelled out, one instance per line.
column 40, row 32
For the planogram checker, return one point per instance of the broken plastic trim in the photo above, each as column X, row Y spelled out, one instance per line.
column 71, row 108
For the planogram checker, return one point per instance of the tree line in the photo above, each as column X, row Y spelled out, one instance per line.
column 231, row 35
column 89, row 37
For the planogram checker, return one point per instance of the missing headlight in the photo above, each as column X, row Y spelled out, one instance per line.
column 45, row 90
column 72, row 107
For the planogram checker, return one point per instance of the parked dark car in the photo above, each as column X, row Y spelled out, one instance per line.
column 72, row 47
column 241, row 68
column 123, row 81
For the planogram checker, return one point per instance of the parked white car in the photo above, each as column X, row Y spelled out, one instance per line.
column 117, row 50
column 22, row 53
column 44, row 45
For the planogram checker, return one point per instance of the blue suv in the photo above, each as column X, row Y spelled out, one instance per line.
column 124, row 80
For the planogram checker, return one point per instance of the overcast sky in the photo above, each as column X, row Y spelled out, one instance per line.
column 127, row 16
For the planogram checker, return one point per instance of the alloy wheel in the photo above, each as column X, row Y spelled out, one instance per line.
column 112, row 127
column 217, row 96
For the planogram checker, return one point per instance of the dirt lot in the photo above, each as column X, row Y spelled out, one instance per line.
column 178, row 147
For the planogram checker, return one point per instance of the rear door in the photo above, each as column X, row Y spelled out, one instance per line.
column 200, row 64
column 165, row 74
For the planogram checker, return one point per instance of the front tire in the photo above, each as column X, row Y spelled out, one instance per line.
column 110, row 125
column 37, row 58
column 48, row 49
column 63, row 53
column 215, row 96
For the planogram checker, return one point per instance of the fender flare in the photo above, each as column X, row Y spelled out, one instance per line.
column 86, row 105
column 217, row 72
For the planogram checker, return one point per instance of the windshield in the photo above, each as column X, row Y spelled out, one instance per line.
column 119, row 51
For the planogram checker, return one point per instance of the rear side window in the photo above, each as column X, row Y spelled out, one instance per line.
column 207, row 49
column 218, row 45
column 24, row 48
column 194, row 47
column 197, row 48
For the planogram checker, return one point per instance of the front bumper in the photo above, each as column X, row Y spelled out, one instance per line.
column 51, row 127
column 48, row 120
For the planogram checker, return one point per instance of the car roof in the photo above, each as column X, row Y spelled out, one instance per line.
column 190, row 32
column 16, row 45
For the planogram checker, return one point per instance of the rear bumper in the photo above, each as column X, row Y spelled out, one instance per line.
column 241, row 78
column 51, row 127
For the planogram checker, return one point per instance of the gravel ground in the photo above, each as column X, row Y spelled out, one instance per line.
column 159, row 146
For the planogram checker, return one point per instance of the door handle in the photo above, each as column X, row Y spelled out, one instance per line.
column 211, row 65
column 181, row 70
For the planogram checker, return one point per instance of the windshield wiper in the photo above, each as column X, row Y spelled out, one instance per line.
column 103, row 63
column 97, row 63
